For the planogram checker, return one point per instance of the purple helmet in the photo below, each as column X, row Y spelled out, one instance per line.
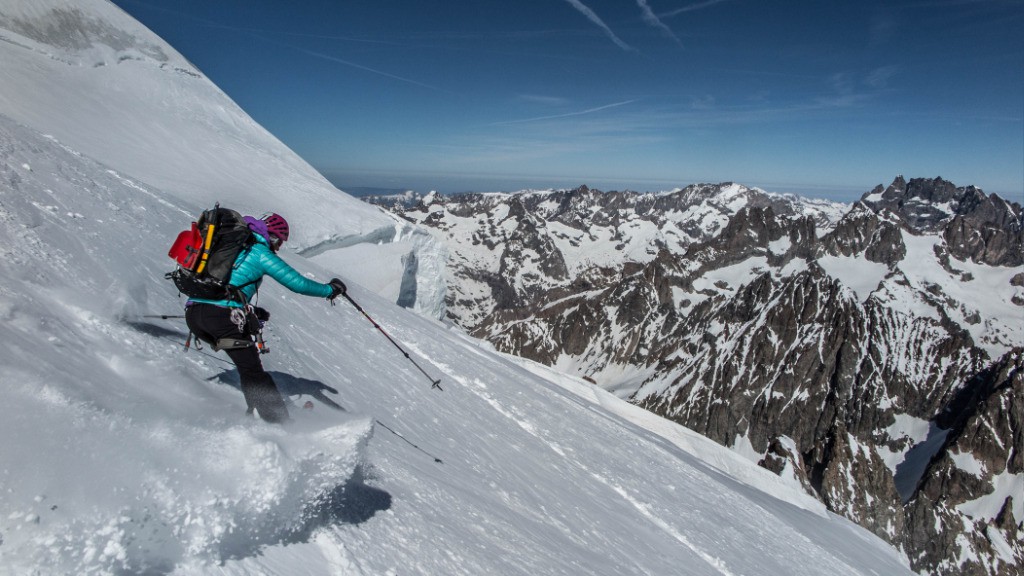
column 277, row 226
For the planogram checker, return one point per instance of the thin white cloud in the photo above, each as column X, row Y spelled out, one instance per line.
column 692, row 7
column 367, row 68
column 566, row 115
column 706, row 102
column 879, row 77
column 651, row 18
column 848, row 88
column 593, row 17
column 545, row 100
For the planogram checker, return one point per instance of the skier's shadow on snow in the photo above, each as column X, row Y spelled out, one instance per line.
column 354, row 502
column 287, row 384
column 157, row 331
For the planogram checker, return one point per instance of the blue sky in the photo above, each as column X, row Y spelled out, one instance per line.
column 821, row 98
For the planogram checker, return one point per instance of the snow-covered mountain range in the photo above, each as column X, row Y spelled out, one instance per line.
column 852, row 348
column 122, row 454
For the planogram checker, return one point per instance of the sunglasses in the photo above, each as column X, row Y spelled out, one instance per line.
column 275, row 243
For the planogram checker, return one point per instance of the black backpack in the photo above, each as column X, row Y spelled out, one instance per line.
column 206, row 254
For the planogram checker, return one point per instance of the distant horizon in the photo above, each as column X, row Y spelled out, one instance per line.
column 367, row 185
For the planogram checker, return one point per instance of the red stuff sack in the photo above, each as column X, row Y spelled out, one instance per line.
column 187, row 248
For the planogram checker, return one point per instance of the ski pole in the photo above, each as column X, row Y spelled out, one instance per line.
column 162, row 316
column 434, row 383
column 406, row 440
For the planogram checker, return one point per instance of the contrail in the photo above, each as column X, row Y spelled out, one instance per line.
column 597, row 20
column 367, row 68
column 692, row 7
column 653, row 20
column 552, row 117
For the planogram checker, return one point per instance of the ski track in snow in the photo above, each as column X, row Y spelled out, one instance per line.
column 644, row 509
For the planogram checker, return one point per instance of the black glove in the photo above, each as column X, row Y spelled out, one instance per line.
column 337, row 288
column 262, row 314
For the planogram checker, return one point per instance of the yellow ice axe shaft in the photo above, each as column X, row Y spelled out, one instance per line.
column 206, row 249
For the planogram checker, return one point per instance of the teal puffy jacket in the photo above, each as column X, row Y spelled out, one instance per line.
column 259, row 260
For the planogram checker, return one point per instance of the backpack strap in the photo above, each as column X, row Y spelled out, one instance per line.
column 235, row 292
column 232, row 344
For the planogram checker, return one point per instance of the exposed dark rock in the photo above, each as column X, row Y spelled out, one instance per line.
column 843, row 467
column 984, row 242
column 984, row 229
column 864, row 232
column 783, row 459
column 986, row 441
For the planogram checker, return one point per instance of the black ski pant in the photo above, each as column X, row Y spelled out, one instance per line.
column 210, row 324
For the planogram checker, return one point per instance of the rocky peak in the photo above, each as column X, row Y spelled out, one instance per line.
column 984, row 229
column 756, row 226
column 863, row 231
column 923, row 203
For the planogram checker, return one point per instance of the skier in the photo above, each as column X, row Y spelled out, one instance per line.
column 231, row 324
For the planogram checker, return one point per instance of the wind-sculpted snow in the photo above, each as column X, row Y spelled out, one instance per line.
column 378, row 236
column 408, row 264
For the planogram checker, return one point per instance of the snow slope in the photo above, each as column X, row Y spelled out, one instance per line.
column 123, row 454
column 90, row 74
